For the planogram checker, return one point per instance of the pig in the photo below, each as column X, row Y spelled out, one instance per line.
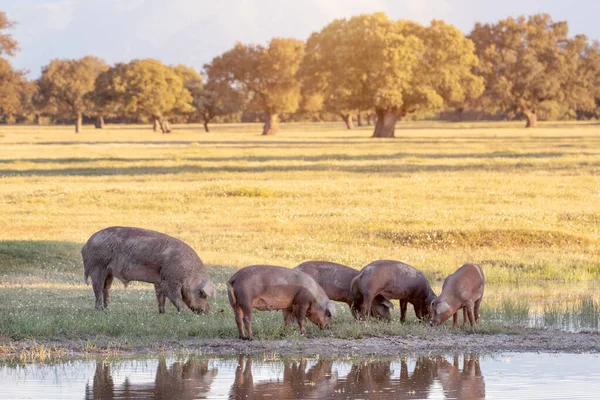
column 267, row 288
column 391, row 280
column 335, row 279
column 463, row 289
column 136, row 254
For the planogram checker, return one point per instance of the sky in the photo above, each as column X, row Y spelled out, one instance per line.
column 192, row 32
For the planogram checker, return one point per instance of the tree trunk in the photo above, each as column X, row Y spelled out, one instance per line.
column 271, row 125
column 206, row 126
column 369, row 119
column 163, row 123
column 38, row 119
column 531, row 119
column 459, row 114
column 155, row 125
column 348, row 120
column 359, row 120
column 386, row 123
column 79, row 122
column 99, row 122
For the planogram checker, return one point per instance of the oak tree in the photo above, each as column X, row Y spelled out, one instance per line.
column 144, row 88
column 266, row 74
column 527, row 62
column 65, row 85
column 370, row 62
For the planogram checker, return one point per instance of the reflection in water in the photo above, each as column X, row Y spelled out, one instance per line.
column 521, row 375
column 189, row 380
column 407, row 378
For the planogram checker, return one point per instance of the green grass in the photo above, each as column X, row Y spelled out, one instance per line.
column 522, row 203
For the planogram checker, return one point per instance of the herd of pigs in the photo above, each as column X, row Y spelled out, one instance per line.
column 306, row 291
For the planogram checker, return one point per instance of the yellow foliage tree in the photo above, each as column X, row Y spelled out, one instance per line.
column 394, row 67
column 267, row 75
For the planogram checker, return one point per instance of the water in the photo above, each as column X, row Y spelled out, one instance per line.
column 454, row 376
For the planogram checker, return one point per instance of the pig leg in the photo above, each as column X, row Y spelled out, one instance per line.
column 239, row 315
column 287, row 317
column 464, row 315
column 106, row 291
column 470, row 311
column 418, row 311
column 173, row 292
column 247, row 320
column 476, row 310
column 455, row 319
column 160, row 297
column 98, row 286
column 403, row 305
column 366, row 306
column 300, row 312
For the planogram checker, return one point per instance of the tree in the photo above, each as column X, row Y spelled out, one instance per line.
column 8, row 45
column 215, row 98
column 370, row 62
column 267, row 74
column 527, row 62
column 66, row 84
column 143, row 88
column 11, row 85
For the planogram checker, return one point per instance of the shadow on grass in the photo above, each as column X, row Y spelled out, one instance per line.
column 358, row 169
column 20, row 255
column 25, row 256
column 317, row 158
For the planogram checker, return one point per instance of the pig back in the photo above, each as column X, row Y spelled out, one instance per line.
column 467, row 283
column 126, row 247
column 335, row 279
column 268, row 281
column 393, row 276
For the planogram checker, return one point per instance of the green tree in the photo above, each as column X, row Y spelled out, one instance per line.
column 143, row 88
column 528, row 62
column 216, row 98
column 370, row 62
column 65, row 85
column 267, row 74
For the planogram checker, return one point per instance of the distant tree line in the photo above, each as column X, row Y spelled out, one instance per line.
column 367, row 68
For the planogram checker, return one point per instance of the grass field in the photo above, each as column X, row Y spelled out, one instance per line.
column 525, row 204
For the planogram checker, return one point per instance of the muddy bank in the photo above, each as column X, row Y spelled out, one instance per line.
column 539, row 341
column 535, row 340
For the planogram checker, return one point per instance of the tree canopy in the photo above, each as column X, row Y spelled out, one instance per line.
column 394, row 67
column 527, row 62
column 144, row 87
column 267, row 74
column 8, row 45
column 66, row 84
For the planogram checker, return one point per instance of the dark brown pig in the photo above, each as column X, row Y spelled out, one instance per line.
column 135, row 254
column 267, row 288
column 391, row 280
column 335, row 279
column 461, row 290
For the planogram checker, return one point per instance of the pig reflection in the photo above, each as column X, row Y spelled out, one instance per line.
column 366, row 379
column 297, row 382
column 373, row 379
column 465, row 384
column 188, row 380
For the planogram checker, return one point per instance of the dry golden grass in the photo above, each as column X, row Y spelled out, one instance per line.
column 525, row 204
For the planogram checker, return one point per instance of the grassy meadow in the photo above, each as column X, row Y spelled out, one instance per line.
column 525, row 204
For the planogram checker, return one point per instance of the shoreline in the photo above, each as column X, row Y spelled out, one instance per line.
column 552, row 341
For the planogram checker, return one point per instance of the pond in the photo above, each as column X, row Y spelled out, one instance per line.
column 448, row 376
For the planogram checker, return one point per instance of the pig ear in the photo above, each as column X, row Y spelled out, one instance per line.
column 388, row 304
column 208, row 289
column 331, row 308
